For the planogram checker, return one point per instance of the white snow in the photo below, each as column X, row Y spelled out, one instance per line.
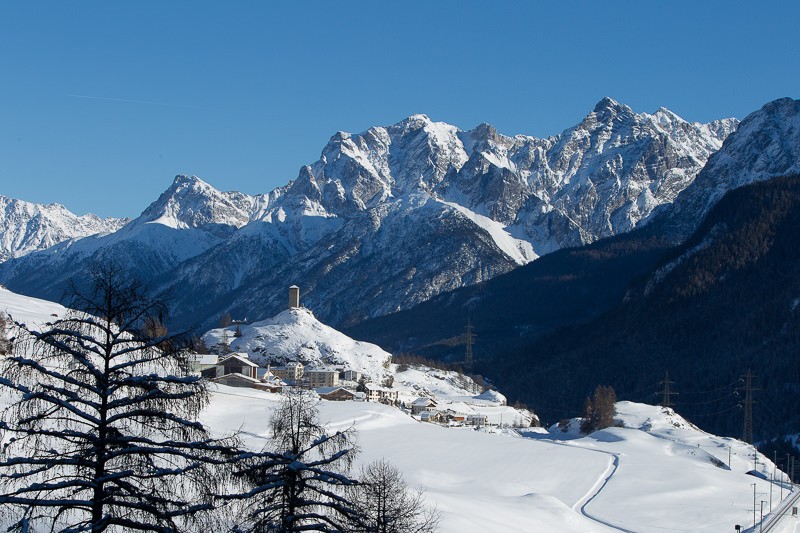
column 29, row 310
column 657, row 473
column 658, row 476
column 295, row 334
column 518, row 250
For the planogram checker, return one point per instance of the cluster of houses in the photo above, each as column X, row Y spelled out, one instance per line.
column 238, row 370
column 426, row 409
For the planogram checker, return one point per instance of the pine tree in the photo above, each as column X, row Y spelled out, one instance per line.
column 101, row 431
column 599, row 411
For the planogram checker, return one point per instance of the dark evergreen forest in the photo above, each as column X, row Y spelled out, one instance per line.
column 626, row 310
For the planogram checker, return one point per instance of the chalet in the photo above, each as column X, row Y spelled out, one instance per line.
column 422, row 404
column 234, row 363
column 235, row 379
column 336, row 394
column 477, row 420
column 430, row 416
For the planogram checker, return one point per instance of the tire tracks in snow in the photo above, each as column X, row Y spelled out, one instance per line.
column 596, row 489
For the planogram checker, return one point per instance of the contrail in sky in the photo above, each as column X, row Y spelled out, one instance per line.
column 132, row 101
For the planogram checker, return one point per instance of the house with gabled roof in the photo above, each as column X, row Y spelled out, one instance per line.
column 235, row 369
column 422, row 404
column 336, row 394
column 430, row 416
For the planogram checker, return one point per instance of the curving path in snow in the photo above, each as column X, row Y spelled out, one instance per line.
column 602, row 481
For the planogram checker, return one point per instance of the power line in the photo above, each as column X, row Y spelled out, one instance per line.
column 717, row 389
column 469, row 360
column 747, row 433
column 666, row 400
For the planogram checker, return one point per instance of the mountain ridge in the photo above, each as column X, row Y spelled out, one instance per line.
column 27, row 227
column 397, row 214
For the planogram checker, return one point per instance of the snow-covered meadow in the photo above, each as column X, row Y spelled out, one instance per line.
column 658, row 473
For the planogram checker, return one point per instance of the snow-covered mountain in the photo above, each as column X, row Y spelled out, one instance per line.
column 388, row 218
column 189, row 218
column 766, row 145
column 26, row 227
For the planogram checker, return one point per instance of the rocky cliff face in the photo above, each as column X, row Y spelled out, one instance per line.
column 766, row 145
column 388, row 218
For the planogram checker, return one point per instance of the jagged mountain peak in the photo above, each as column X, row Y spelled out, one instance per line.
column 608, row 107
column 765, row 145
column 190, row 203
column 27, row 227
column 786, row 105
column 416, row 120
column 398, row 213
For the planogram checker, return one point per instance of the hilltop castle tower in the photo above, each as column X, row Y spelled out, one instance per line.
column 294, row 296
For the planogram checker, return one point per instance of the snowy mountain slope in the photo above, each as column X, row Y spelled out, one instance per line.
column 28, row 310
column 387, row 218
column 766, row 145
column 387, row 258
column 657, row 473
column 189, row 218
column 26, row 227
column 621, row 478
column 296, row 335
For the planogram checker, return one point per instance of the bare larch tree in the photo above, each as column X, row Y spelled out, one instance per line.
column 386, row 504
column 101, row 429
column 297, row 482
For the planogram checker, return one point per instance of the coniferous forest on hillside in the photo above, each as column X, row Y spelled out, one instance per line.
column 626, row 310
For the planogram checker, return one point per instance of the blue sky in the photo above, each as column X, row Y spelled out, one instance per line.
column 102, row 103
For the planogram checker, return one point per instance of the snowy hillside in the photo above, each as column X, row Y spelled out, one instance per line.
column 658, row 478
column 26, row 227
column 392, row 216
column 658, row 473
column 29, row 310
column 296, row 335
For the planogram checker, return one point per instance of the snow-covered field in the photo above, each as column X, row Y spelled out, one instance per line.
column 659, row 474
column 29, row 310
column 656, row 474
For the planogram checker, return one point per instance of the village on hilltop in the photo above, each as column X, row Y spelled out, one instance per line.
column 463, row 404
